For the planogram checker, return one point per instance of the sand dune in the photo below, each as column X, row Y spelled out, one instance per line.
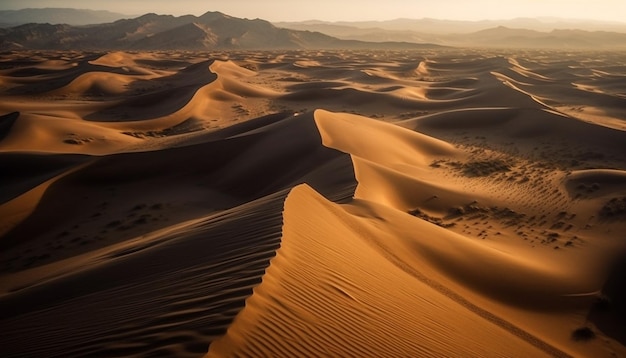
column 329, row 297
column 345, row 203
column 65, row 252
column 177, row 274
column 608, row 180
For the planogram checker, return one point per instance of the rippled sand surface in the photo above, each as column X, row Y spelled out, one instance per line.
column 435, row 203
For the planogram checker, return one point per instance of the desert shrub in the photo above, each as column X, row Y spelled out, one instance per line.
column 485, row 168
column 614, row 208
column 138, row 207
column 602, row 303
column 114, row 223
column 73, row 141
column 583, row 334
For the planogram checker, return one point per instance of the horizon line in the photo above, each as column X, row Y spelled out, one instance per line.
column 557, row 18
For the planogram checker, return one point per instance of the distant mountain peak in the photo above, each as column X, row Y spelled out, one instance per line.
column 211, row 30
column 515, row 33
column 69, row 16
column 216, row 30
column 213, row 15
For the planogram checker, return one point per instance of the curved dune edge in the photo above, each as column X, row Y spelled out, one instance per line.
column 330, row 292
column 390, row 162
column 606, row 180
column 391, row 165
column 168, row 286
column 207, row 93
column 386, row 143
column 142, row 297
column 327, row 291
column 506, row 275
column 16, row 210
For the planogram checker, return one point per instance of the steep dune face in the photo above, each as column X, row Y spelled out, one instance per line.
column 330, row 291
column 111, row 101
column 341, row 255
column 109, row 194
column 409, row 147
column 143, row 296
column 143, row 277
column 388, row 173
column 441, row 203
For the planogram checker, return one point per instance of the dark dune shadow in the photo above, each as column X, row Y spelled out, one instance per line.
column 161, row 96
column 57, row 79
column 24, row 171
column 163, row 63
column 609, row 312
column 6, row 122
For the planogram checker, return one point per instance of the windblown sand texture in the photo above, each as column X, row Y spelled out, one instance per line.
column 286, row 204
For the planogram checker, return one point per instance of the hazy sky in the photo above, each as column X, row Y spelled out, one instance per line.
column 349, row 10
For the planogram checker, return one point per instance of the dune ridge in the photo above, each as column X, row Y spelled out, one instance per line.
column 326, row 288
column 518, row 284
column 174, row 273
column 201, row 265
column 343, row 203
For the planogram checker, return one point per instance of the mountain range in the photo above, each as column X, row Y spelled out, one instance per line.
column 76, row 17
column 213, row 30
column 65, row 29
column 515, row 33
column 442, row 27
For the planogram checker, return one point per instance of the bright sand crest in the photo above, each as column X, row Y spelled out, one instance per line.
column 312, row 204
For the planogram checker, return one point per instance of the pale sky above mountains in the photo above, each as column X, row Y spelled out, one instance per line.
column 344, row 10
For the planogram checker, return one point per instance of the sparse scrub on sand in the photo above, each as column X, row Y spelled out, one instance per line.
column 138, row 207
column 588, row 187
column 551, row 237
column 614, row 208
column 602, row 303
column 484, row 168
column 157, row 206
column 432, row 219
column 77, row 141
column 204, row 180
column 583, row 334
column 114, row 223
column 476, row 168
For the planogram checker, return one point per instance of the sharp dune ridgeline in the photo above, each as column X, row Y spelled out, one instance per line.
column 293, row 203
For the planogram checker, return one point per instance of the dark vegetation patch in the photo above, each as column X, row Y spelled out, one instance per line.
column 479, row 168
column 588, row 187
column 472, row 211
column 190, row 125
column 77, row 141
column 484, row 168
column 507, row 216
column 432, row 219
column 583, row 334
column 614, row 208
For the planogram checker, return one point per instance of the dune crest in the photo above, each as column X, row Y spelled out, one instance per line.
column 296, row 203
column 328, row 281
column 393, row 177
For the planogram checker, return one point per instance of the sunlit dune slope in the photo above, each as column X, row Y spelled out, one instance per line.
column 146, row 287
column 337, row 264
column 312, row 203
column 331, row 291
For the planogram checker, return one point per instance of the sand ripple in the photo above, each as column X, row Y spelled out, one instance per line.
column 331, row 203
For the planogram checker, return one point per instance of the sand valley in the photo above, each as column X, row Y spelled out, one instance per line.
column 435, row 202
